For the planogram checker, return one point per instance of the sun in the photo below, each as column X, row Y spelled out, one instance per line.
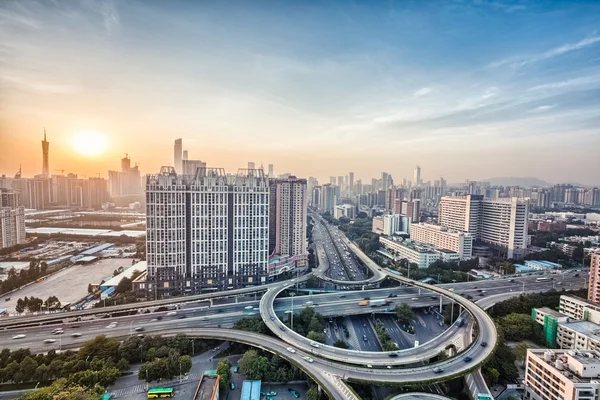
column 89, row 143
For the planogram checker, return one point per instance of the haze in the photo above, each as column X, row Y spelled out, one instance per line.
column 466, row 89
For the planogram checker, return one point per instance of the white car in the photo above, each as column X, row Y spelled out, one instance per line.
column 21, row 336
column 315, row 344
column 58, row 332
column 308, row 359
column 171, row 313
column 291, row 349
column 50, row 341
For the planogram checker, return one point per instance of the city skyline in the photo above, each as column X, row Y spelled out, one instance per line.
column 347, row 94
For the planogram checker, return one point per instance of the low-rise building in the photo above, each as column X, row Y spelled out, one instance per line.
column 344, row 210
column 562, row 375
column 421, row 255
column 578, row 308
column 443, row 238
column 208, row 387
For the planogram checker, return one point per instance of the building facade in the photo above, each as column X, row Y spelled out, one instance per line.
column 501, row 224
column 594, row 281
column 206, row 232
column 287, row 219
column 12, row 219
column 442, row 238
column 562, row 375
column 415, row 254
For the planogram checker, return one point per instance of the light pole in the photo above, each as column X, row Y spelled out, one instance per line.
column 180, row 377
column 193, row 350
column 452, row 315
column 292, row 296
column 131, row 328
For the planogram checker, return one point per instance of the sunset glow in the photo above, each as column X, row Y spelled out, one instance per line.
column 89, row 144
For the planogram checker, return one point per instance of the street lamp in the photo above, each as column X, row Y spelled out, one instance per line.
column 130, row 328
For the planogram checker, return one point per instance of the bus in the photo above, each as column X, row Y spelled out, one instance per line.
column 542, row 279
column 160, row 392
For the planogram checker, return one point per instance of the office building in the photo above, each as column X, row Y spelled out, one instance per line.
column 501, row 224
column 271, row 172
column 562, row 375
column 208, row 387
column 443, row 238
column 206, row 231
column 351, row 183
column 594, row 280
column 317, row 193
column 45, row 156
column 409, row 208
column 126, row 182
column 185, row 155
column 191, row 167
column 390, row 224
column 417, row 176
column 287, row 219
column 177, row 156
column 12, row 219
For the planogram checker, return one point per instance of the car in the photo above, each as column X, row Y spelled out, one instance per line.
column 315, row 344
column 437, row 370
column 282, row 327
column 220, row 310
column 392, row 354
column 182, row 317
column 153, row 320
column 291, row 349
column 482, row 294
column 512, row 280
column 76, row 334
column 20, row 336
column 365, row 338
column 294, row 393
column 139, row 329
column 483, row 344
column 50, row 341
column 272, row 318
column 325, row 331
column 343, row 296
column 110, row 326
column 414, row 298
column 171, row 313
column 236, row 369
column 232, row 386
column 205, row 318
column 56, row 330
column 467, row 359
column 271, row 393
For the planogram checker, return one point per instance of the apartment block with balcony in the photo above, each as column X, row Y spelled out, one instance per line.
column 443, row 238
column 594, row 283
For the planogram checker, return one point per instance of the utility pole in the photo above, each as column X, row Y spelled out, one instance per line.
column 292, row 296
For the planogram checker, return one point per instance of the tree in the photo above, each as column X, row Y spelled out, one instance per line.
column 20, row 307
column 224, row 372
column 516, row 326
column 493, row 374
column 124, row 285
column 63, row 390
column 341, row 344
column 521, row 351
column 90, row 288
column 101, row 347
column 253, row 366
column 313, row 393
column 404, row 313
column 316, row 336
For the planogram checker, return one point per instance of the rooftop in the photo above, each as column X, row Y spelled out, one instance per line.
column 550, row 311
column 250, row 390
column 565, row 362
column 207, row 387
column 586, row 328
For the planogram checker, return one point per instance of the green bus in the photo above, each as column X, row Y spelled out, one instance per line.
column 160, row 392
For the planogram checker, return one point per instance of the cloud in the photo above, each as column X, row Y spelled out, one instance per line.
column 8, row 17
column 584, row 80
column 422, row 92
column 42, row 87
column 517, row 62
column 543, row 108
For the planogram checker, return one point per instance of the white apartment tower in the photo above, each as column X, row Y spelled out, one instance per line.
column 12, row 219
column 417, row 176
column 206, row 231
column 287, row 219
column 501, row 224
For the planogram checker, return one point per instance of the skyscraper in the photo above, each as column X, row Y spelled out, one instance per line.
column 177, row 156
column 417, row 176
column 206, row 231
column 185, row 155
column 328, row 199
column 251, row 165
column 351, row 182
column 45, row 156
column 287, row 219
column 271, row 173
column 126, row 182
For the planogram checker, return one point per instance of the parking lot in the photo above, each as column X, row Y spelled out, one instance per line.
column 69, row 285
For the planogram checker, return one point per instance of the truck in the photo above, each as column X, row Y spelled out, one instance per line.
column 460, row 321
column 375, row 303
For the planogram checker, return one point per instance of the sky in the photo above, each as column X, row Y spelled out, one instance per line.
column 467, row 89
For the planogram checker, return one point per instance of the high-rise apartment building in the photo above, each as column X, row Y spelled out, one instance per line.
column 594, row 283
column 443, row 238
column 126, row 182
column 177, row 156
column 287, row 219
column 45, row 156
column 316, row 197
column 351, row 183
column 501, row 224
column 206, row 231
column 409, row 208
column 12, row 219
column 185, row 155
column 191, row 167
column 271, row 172
column 328, row 199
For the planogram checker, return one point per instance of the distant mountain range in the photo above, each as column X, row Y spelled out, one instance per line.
column 528, row 182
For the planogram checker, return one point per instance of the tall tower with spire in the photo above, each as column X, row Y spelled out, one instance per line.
column 45, row 149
